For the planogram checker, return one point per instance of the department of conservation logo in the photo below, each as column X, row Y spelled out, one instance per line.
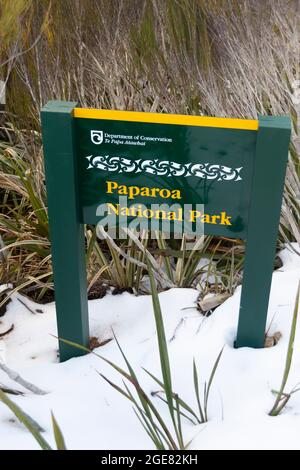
column 97, row 137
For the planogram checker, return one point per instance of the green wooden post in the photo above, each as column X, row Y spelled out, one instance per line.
column 264, row 213
column 66, row 231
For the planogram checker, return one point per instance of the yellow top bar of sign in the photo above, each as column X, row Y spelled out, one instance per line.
column 180, row 119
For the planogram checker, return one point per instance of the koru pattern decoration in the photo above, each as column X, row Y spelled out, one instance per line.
column 164, row 168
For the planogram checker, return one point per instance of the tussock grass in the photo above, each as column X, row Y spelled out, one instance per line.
column 223, row 57
column 165, row 435
column 33, row 427
column 283, row 397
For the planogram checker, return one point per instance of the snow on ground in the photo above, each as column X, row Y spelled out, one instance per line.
column 94, row 416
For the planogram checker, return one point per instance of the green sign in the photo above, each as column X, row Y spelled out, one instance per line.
column 223, row 175
column 167, row 163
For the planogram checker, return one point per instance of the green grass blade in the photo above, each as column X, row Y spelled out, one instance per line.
column 276, row 408
column 184, row 415
column 158, row 444
column 147, row 421
column 162, row 342
column 58, row 436
column 83, row 348
column 163, row 349
column 183, row 404
column 116, row 387
column 28, row 422
column 197, row 393
column 146, row 402
column 210, row 381
column 179, row 427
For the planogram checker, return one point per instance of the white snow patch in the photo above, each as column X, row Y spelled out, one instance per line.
column 94, row 416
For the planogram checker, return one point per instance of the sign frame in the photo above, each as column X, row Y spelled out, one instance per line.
column 67, row 229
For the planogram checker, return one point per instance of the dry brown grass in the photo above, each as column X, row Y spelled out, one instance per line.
column 218, row 57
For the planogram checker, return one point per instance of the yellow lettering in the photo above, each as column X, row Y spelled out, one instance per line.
column 176, row 194
column 153, row 192
column 194, row 215
column 124, row 211
column 145, row 192
column 111, row 185
column 165, row 193
column 214, row 219
column 160, row 214
column 148, row 213
column 225, row 219
column 122, row 189
column 114, row 208
column 205, row 218
column 133, row 191
column 172, row 216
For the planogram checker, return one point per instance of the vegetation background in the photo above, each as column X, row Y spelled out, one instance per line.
column 233, row 58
